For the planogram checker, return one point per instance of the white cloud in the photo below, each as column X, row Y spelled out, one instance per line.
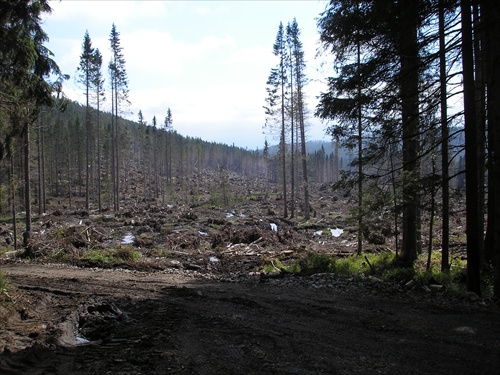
column 155, row 53
column 107, row 11
column 230, row 111
column 205, row 10
column 167, row 62
column 208, row 66
column 211, row 43
column 253, row 55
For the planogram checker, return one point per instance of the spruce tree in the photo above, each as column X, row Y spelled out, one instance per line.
column 167, row 125
column 85, row 77
column 119, row 98
column 98, row 86
column 276, row 99
column 26, row 66
column 381, row 62
column 298, row 76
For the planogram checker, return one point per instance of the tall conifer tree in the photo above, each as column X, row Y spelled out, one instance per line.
column 386, row 83
column 471, row 154
column 98, row 85
column 85, row 77
column 275, row 109
column 25, row 69
column 119, row 97
column 298, row 71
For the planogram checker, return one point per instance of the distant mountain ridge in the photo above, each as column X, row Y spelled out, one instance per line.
column 311, row 147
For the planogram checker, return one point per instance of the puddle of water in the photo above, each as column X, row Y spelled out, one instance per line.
column 81, row 340
column 128, row 239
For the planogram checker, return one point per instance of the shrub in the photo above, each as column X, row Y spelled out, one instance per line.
column 127, row 254
column 312, row 263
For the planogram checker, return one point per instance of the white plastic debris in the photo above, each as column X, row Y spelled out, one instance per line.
column 128, row 239
column 229, row 215
column 318, row 233
column 336, row 232
column 202, row 233
column 214, row 259
column 274, row 227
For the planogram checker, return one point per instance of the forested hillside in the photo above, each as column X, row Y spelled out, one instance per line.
column 155, row 160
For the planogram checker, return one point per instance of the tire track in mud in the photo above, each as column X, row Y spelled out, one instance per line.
column 156, row 324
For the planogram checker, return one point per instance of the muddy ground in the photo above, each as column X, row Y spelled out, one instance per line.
column 197, row 300
column 115, row 321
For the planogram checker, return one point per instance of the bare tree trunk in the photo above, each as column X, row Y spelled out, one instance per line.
column 305, row 180
column 445, row 240
column 27, row 189
column 394, row 193
column 336, row 163
column 431, row 220
column 69, row 166
column 410, row 117
column 87, row 153
column 480, row 98
column 99, row 165
column 117, row 155
column 360, row 152
column 471, row 157
column 492, row 22
column 283, row 146
column 292, row 143
column 112, row 144
column 13, row 198
column 41, row 208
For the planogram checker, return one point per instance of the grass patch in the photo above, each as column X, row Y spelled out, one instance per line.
column 122, row 254
column 355, row 265
column 276, row 266
column 382, row 265
column 313, row 263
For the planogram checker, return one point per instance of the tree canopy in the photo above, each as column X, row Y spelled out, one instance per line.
column 25, row 67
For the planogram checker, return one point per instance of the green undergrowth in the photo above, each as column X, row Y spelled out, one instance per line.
column 122, row 254
column 384, row 266
column 4, row 282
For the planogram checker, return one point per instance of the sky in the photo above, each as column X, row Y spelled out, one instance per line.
column 208, row 61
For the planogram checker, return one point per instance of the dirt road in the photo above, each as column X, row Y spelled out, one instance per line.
column 95, row 321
